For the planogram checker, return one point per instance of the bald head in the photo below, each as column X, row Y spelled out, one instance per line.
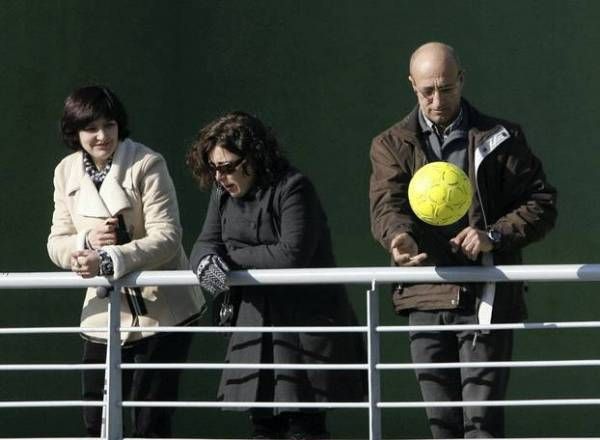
column 433, row 53
column 437, row 79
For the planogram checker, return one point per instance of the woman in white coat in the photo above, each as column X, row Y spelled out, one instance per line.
column 115, row 211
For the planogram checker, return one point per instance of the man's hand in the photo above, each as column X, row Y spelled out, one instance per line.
column 404, row 251
column 471, row 242
column 85, row 263
column 104, row 234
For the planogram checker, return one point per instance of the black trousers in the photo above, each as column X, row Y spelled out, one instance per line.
column 138, row 384
column 461, row 383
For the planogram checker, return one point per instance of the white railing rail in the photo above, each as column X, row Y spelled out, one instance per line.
column 346, row 275
column 371, row 276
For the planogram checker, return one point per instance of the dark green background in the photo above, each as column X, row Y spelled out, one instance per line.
column 328, row 76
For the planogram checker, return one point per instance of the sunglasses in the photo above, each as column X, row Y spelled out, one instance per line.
column 226, row 168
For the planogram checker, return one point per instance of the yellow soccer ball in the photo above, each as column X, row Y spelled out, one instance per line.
column 440, row 193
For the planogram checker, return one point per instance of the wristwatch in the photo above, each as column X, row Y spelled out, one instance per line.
column 495, row 237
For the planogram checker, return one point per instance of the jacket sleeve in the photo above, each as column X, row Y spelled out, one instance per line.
column 64, row 238
column 533, row 212
column 302, row 221
column 162, row 239
column 388, row 194
column 210, row 240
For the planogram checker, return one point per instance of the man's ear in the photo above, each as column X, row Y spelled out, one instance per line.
column 412, row 83
column 461, row 78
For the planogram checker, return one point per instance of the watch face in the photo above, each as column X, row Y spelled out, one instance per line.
column 494, row 236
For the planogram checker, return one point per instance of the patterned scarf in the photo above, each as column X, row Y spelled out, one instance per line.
column 95, row 174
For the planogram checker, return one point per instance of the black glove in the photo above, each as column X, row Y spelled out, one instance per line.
column 212, row 274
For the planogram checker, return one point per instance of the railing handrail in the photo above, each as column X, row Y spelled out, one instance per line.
column 338, row 275
column 372, row 276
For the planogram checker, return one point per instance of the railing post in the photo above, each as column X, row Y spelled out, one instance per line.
column 113, row 401
column 373, row 360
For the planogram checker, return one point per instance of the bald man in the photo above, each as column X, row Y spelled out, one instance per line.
column 513, row 205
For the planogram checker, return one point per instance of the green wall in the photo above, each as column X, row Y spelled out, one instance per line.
column 328, row 76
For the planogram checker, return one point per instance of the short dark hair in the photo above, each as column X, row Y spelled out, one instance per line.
column 87, row 104
column 244, row 135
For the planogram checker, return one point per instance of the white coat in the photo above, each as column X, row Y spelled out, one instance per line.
column 139, row 187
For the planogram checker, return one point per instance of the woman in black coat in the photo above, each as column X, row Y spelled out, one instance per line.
column 264, row 214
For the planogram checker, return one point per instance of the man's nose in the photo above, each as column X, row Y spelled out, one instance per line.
column 436, row 97
column 101, row 134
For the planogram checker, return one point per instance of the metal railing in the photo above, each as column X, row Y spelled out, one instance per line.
column 372, row 276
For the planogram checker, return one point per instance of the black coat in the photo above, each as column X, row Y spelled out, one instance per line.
column 282, row 226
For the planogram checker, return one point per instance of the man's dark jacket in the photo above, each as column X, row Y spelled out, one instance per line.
column 511, row 195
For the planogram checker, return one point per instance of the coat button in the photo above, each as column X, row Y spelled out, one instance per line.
column 453, row 302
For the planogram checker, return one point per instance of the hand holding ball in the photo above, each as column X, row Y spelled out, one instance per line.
column 440, row 193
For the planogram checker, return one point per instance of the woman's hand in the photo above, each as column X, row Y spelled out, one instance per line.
column 85, row 263
column 104, row 234
column 212, row 274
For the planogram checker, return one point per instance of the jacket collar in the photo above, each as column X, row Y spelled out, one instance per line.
column 111, row 199
column 485, row 133
column 485, row 136
column 475, row 119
